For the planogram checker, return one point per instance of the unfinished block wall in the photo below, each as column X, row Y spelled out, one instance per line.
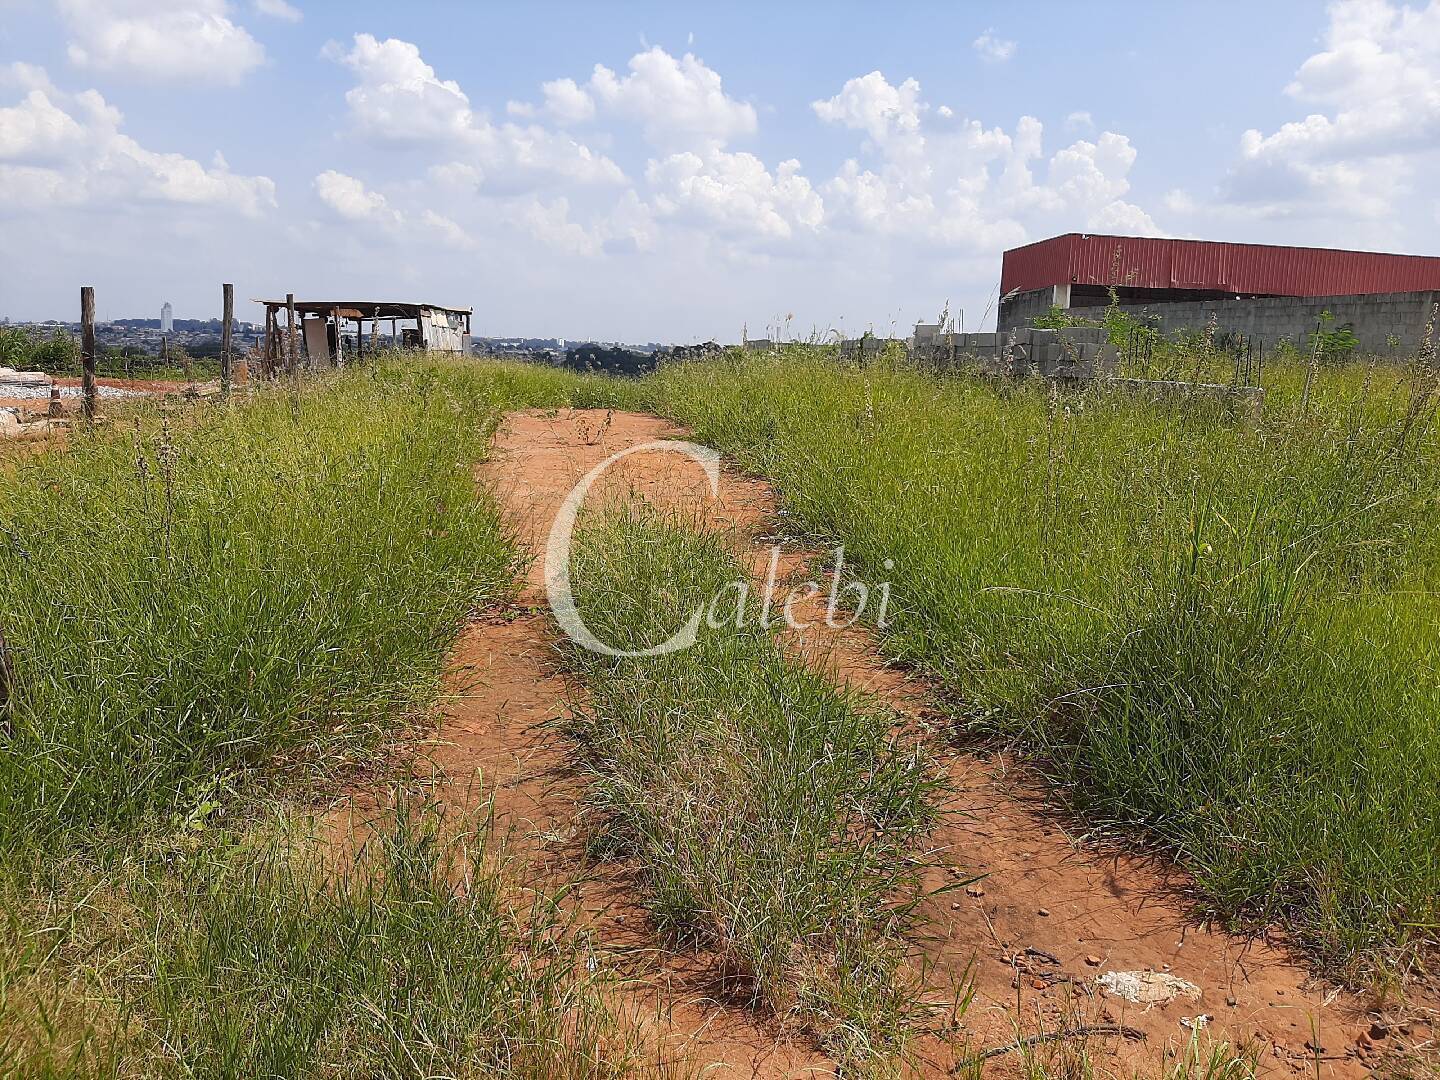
column 1375, row 319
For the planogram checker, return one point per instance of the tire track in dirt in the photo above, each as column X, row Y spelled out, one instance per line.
column 496, row 739
column 1078, row 911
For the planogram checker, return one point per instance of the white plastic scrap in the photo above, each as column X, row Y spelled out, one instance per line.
column 1147, row 987
column 1196, row 1023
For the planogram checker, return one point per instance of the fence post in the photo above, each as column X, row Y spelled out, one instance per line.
column 292, row 357
column 227, row 315
column 87, row 350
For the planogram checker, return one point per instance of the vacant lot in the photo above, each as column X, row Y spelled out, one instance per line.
column 1212, row 633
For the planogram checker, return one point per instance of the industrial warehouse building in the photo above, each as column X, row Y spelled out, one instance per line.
column 1266, row 293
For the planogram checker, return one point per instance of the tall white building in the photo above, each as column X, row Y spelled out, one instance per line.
column 167, row 318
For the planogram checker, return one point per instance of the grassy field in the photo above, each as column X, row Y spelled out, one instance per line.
column 1215, row 631
column 193, row 597
column 1220, row 632
column 213, row 616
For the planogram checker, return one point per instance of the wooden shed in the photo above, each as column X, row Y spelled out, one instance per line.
column 330, row 330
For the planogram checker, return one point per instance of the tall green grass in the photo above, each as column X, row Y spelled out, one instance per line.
column 210, row 592
column 276, row 954
column 1222, row 632
column 772, row 816
column 216, row 610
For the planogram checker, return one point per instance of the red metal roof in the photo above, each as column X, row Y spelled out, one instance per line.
column 1143, row 263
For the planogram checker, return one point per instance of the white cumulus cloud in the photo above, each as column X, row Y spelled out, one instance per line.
column 680, row 103
column 1375, row 85
column 157, row 40
column 677, row 101
column 566, row 103
column 993, row 48
column 939, row 179
column 870, row 103
column 736, row 193
column 352, row 200
column 279, row 9
column 68, row 149
column 400, row 98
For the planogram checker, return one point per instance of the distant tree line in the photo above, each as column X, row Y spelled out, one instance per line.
column 611, row 361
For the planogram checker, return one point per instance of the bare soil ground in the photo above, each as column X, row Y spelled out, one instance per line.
column 1051, row 915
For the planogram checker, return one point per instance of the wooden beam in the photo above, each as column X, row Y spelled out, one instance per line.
column 267, row 362
column 227, row 315
column 87, row 351
column 292, row 358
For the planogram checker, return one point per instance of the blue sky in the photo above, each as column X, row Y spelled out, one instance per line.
column 676, row 172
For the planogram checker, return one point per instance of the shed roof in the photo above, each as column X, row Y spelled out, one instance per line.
column 1265, row 269
column 377, row 309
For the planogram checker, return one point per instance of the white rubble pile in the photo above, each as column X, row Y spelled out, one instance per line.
column 40, row 393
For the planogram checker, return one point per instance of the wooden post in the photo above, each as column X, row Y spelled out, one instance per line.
column 360, row 341
column 87, row 350
column 269, row 342
column 292, row 358
column 227, row 313
column 339, row 357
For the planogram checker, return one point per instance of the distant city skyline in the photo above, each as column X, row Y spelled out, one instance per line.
column 652, row 170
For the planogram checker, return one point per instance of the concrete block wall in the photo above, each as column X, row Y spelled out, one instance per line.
column 1022, row 309
column 1373, row 319
column 1074, row 352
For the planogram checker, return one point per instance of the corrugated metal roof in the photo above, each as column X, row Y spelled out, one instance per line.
column 387, row 308
column 1146, row 263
